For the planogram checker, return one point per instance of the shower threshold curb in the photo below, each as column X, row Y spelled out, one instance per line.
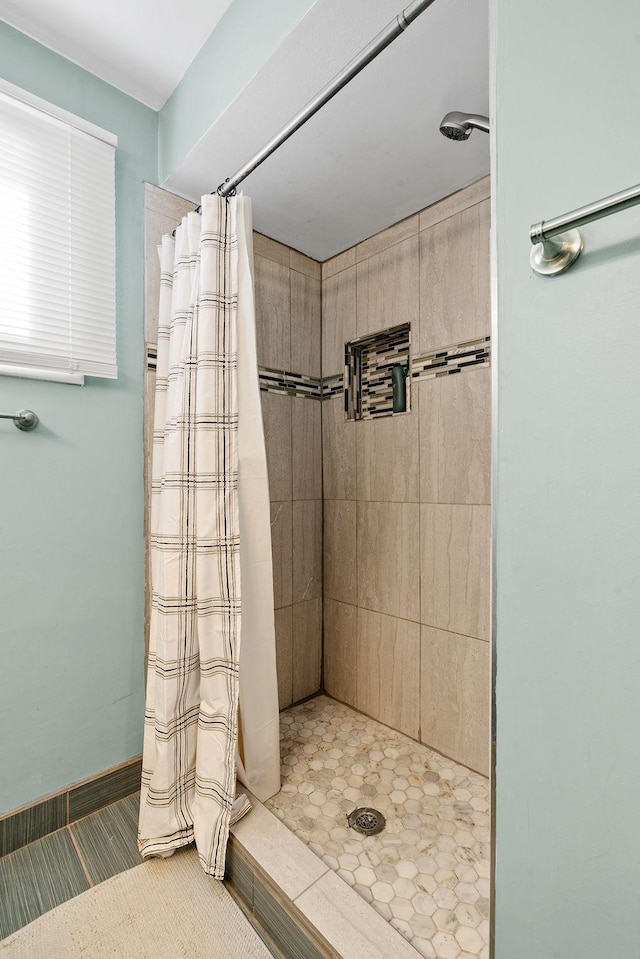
column 296, row 902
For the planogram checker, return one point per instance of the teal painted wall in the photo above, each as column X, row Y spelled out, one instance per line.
column 71, row 501
column 248, row 34
column 568, row 488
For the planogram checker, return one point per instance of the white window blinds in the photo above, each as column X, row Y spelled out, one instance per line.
column 57, row 243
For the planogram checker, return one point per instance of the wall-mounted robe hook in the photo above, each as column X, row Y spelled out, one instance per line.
column 24, row 419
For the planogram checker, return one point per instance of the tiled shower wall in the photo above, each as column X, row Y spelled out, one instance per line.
column 288, row 316
column 406, row 498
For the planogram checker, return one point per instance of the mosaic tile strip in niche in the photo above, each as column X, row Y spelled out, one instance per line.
column 452, row 359
column 368, row 366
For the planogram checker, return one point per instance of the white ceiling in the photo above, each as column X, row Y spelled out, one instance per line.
column 370, row 157
column 142, row 47
column 374, row 154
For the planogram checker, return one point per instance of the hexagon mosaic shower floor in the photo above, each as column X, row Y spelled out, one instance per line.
column 427, row 872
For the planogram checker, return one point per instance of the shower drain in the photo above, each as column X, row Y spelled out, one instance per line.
column 366, row 821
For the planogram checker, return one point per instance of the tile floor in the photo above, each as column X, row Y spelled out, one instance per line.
column 65, row 863
column 427, row 873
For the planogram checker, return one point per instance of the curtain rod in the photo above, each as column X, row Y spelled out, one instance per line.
column 393, row 29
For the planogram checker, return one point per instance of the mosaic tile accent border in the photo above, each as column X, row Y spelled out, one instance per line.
column 452, row 359
column 332, row 386
column 366, row 382
column 273, row 381
column 368, row 365
column 293, row 384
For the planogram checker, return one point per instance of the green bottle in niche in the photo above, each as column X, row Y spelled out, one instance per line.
column 399, row 385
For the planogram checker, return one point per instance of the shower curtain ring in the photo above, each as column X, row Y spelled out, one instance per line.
column 222, row 186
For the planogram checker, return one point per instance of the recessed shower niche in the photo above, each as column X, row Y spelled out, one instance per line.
column 376, row 374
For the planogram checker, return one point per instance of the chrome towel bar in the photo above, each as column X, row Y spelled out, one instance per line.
column 551, row 256
column 24, row 419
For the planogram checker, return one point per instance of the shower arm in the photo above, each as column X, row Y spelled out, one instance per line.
column 551, row 256
column 379, row 43
column 478, row 122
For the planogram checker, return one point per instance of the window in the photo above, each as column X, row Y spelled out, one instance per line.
column 57, row 242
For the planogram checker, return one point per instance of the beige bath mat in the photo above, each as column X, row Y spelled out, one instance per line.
column 163, row 909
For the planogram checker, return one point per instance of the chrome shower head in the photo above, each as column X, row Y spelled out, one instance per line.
column 458, row 126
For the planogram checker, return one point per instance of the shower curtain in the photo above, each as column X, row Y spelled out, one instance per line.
column 212, row 710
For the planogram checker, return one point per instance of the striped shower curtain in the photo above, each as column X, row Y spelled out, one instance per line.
column 210, row 547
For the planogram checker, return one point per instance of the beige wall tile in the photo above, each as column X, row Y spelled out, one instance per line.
column 284, row 654
column 165, row 203
column 306, row 310
column 149, row 405
column 443, row 209
column 388, row 288
column 307, row 648
column 340, row 550
column 338, row 451
column 307, row 550
column 455, row 697
column 389, row 237
column 276, row 418
column 388, row 655
column 304, row 264
column 454, row 280
column 388, row 558
column 438, row 454
column 340, row 262
column 455, row 437
column 150, row 390
column 387, row 457
column 338, row 319
column 282, row 553
column 306, row 431
column 340, row 651
column 156, row 225
column 152, row 296
column 273, row 313
column 455, row 568
column 270, row 249
column 163, row 213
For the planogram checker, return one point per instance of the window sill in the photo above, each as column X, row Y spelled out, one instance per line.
column 53, row 376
